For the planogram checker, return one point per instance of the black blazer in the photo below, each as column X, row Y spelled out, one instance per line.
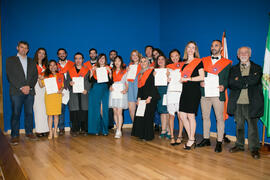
column 16, row 77
column 253, row 83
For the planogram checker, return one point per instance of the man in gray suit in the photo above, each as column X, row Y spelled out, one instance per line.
column 22, row 76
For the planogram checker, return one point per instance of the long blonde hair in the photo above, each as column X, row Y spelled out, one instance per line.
column 196, row 54
column 138, row 54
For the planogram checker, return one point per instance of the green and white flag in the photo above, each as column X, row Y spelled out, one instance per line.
column 266, row 85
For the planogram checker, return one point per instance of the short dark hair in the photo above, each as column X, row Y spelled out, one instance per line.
column 61, row 49
column 113, row 51
column 23, row 42
column 92, row 49
column 217, row 41
column 100, row 56
column 148, row 47
column 78, row 53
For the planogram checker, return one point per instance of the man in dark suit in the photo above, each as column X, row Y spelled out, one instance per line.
column 22, row 76
column 246, row 101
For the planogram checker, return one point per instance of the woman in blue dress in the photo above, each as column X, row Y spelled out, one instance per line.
column 135, row 58
column 161, row 62
column 98, row 106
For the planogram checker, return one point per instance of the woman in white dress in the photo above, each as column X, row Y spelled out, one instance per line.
column 41, row 122
column 120, row 87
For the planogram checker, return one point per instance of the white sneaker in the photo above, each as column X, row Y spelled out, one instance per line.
column 118, row 134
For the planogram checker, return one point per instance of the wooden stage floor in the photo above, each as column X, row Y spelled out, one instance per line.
column 101, row 157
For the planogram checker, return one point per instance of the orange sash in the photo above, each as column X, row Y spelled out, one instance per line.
column 73, row 73
column 175, row 66
column 65, row 69
column 143, row 77
column 217, row 67
column 40, row 70
column 95, row 74
column 88, row 65
column 59, row 79
column 187, row 71
column 118, row 76
column 138, row 70
column 152, row 64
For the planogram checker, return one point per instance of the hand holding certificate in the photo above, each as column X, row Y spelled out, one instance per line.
column 78, row 86
column 117, row 91
column 132, row 71
column 211, row 85
column 51, row 85
column 161, row 77
column 175, row 84
column 141, row 108
column 102, row 75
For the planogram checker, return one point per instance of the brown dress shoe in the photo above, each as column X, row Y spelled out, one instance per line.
column 31, row 137
column 14, row 141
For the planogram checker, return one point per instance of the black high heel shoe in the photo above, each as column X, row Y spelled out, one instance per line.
column 193, row 145
column 180, row 139
column 172, row 143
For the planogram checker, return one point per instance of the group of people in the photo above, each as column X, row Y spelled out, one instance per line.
column 100, row 105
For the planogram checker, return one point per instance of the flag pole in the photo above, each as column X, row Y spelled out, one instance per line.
column 265, row 147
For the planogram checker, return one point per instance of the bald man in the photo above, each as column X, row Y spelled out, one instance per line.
column 246, row 101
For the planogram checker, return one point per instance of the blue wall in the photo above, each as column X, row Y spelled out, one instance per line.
column 131, row 24
column 245, row 21
column 77, row 26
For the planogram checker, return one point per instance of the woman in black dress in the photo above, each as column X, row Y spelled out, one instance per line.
column 192, row 73
column 143, row 126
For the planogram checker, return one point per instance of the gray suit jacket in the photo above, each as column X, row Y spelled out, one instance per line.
column 16, row 77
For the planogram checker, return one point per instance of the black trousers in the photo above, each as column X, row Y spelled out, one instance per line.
column 79, row 121
column 241, row 114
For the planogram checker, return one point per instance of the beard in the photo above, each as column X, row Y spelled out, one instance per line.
column 62, row 58
column 215, row 52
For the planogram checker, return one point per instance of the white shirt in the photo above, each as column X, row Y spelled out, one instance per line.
column 24, row 64
column 63, row 65
column 215, row 60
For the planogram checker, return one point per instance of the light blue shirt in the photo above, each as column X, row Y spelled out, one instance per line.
column 24, row 64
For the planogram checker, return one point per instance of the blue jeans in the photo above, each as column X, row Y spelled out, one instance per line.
column 17, row 103
column 61, row 124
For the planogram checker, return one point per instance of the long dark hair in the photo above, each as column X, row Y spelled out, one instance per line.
column 122, row 63
column 44, row 60
column 100, row 56
column 48, row 71
column 160, row 53
column 156, row 62
column 174, row 50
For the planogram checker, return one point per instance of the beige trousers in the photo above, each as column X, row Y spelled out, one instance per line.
column 206, row 106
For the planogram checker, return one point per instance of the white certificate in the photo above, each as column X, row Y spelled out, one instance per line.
column 65, row 96
column 173, row 97
column 117, row 88
column 161, row 77
column 164, row 101
column 51, row 85
column 78, row 86
column 141, row 108
column 211, row 85
column 102, row 75
column 132, row 71
column 175, row 84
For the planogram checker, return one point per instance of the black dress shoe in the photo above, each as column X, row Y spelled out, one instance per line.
column 225, row 139
column 255, row 154
column 205, row 142
column 218, row 148
column 236, row 149
column 61, row 132
column 156, row 127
